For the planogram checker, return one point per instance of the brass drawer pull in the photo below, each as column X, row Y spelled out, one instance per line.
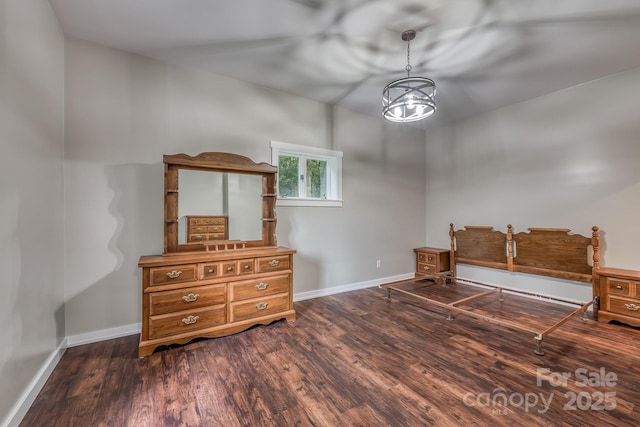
column 247, row 267
column 190, row 297
column 274, row 263
column 421, row 257
column 632, row 307
column 190, row 320
column 174, row 274
column 211, row 270
column 229, row 268
column 262, row 306
column 262, row 286
column 425, row 268
column 618, row 287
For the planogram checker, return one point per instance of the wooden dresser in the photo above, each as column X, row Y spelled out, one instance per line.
column 432, row 262
column 211, row 294
column 211, row 286
column 619, row 292
column 201, row 228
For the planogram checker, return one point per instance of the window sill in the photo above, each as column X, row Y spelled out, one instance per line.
column 309, row 202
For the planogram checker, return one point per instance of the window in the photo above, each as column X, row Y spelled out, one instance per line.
column 307, row 176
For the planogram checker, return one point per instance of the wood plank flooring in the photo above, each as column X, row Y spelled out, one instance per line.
column 359, row 359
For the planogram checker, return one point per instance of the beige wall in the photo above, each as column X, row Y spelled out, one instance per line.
column 31, row 196
column 568, row 160
column 124, row 111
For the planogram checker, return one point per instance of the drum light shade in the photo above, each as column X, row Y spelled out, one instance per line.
column 411, row 98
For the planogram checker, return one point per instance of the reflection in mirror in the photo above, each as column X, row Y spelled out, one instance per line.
column 236, row 196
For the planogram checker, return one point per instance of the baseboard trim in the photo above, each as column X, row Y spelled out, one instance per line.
column 301, row 296
column 26, row 399
column 103, row 334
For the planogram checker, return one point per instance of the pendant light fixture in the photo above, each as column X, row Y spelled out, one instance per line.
column 411, row 98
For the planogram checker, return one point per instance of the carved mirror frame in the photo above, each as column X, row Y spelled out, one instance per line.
column 216, row 162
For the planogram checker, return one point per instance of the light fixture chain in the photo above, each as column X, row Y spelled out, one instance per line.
column 408, row 67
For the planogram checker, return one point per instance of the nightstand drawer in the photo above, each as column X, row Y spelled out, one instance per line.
column 619, row 287
column 426, row 268
column 427, row 258
column 628, row 307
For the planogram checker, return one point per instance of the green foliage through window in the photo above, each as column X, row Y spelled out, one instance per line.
column 317, row 179
column 288, row 176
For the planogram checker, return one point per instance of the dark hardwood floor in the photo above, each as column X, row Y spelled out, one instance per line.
column 359, row 359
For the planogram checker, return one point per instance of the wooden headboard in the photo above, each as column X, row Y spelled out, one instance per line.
column 479, row 245
column 552, row 252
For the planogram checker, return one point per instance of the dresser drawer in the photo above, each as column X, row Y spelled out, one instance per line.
column 186, row 299
column 229, row 268
column 628, row 307
column 170, row 324
column 216, row 236
column 259, row 288
column 199, row 229
column 618, row 287
column 215, row 229
column 173, row 274
column 273, row 263
column 197, row 237
column 246, row 266
column 234, row 268
column 206, row 221
column 259, row 307
column 209, row 271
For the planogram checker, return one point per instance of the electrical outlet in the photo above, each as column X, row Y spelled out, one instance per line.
column 378, row 263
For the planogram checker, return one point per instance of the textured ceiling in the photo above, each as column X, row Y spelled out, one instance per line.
column 482, row 54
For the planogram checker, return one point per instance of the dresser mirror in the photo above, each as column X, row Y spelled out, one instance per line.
column 235, row 196
column 230, row 198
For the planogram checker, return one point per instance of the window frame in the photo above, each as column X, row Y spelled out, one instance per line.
column 334, row 168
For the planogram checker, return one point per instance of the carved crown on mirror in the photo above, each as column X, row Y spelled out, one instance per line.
column 225, row 163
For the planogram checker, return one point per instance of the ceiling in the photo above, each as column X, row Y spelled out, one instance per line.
column 482, row 54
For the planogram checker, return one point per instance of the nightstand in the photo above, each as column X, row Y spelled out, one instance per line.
column 619, row 295
column 432, row 263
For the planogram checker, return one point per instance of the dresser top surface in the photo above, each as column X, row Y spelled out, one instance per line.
column 433, row 250
column 193, row 257
column 619, row 273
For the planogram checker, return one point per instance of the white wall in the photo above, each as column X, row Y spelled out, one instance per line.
column 31, row 197
column 124, row 111
column 569, row 159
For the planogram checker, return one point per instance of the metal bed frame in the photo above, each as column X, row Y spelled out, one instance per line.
column 551, row 252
